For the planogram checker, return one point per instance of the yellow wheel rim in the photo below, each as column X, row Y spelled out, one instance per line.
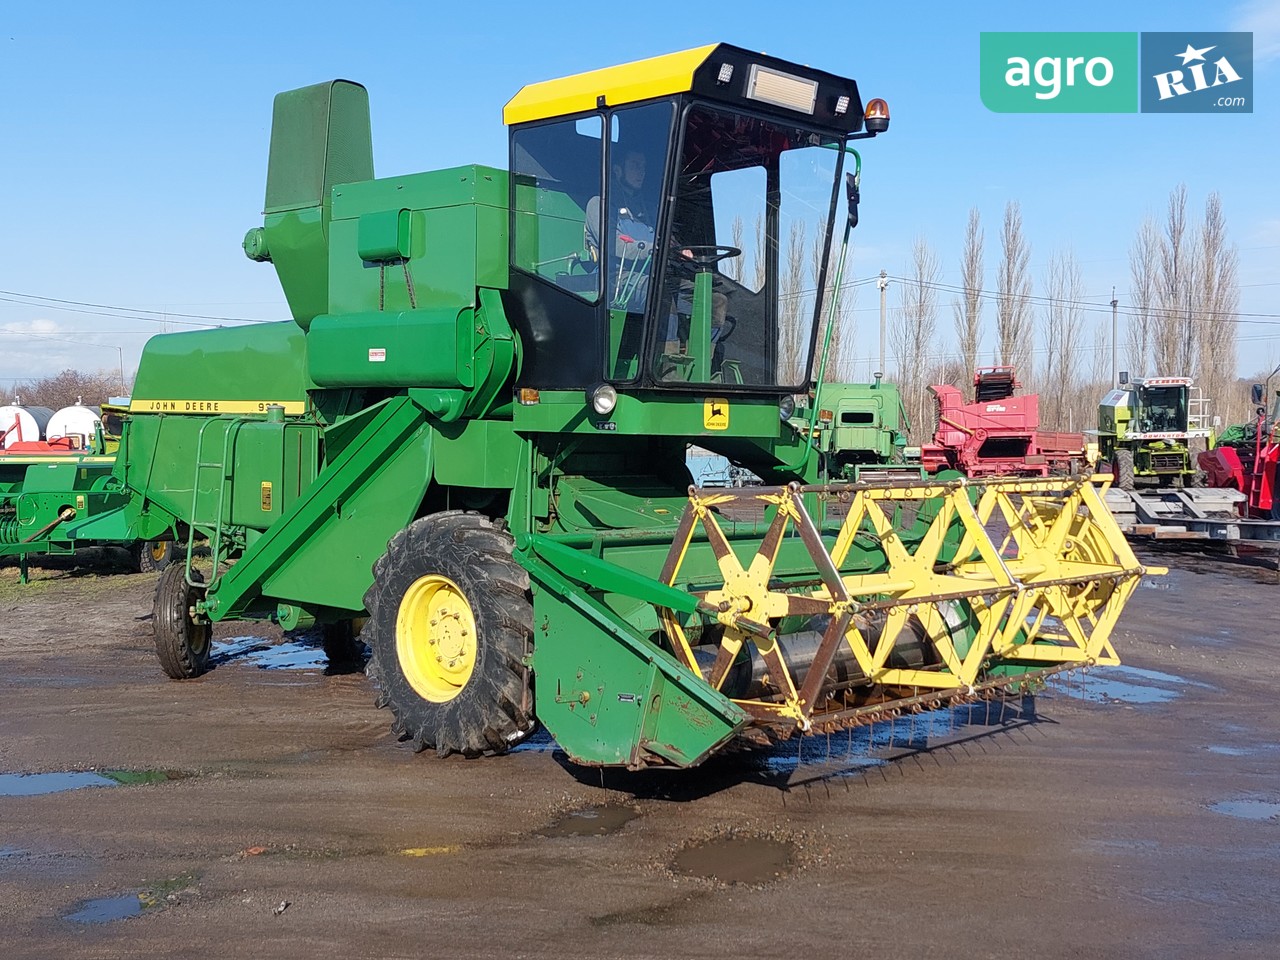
column 436, row 638
column 158, row 549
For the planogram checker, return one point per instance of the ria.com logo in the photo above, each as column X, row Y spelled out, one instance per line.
column 1117, row 72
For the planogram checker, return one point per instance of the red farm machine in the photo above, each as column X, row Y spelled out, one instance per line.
column 999, row 433
column 1247, row 458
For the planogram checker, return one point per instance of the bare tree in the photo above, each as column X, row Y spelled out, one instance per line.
column 1064, row 340
column 912, row 333
column 1013, row 308
column 1144, row 271
column 733, row 267
column 968, row 309
column 69, row 387
column 1216, row 299
column 792, row 313
column 1174, row 327
column 762, row 255
column 839, row 365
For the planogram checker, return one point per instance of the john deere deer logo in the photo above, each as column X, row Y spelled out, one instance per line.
column 715, row 414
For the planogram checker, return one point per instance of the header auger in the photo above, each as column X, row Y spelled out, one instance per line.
column 473, row 434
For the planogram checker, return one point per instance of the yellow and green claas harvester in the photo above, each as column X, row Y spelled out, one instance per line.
column 473, row 433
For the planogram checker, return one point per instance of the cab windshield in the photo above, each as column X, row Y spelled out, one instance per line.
column 669, row 248
column 1164, row 410
column 744, row 263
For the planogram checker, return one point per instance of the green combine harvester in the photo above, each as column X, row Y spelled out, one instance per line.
column 57, row 475
column 473, row 433
column 861, row 431
column 1145, row 429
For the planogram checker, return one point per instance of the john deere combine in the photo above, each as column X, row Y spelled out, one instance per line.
column 473, row 433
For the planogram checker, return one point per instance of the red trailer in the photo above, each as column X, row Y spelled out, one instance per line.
column 999, row 433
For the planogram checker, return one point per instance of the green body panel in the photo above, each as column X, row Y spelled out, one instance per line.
column 274, row 463
column 238, row 454
column 209, row 371
column 320, row 553
column 456, row 238
column 404, row 349
column 650, row 414
column 35, row 490
column 478, row 453
column 618, row 699
column 300, row 251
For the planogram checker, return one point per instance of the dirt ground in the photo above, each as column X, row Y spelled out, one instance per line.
column 1131, row 814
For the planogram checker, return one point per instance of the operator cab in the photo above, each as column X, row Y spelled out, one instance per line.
column 671, row 221
column 1161, row 405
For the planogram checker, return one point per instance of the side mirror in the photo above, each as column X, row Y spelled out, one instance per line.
column 1124, row 377
column 851, row 191
column 1255, row 394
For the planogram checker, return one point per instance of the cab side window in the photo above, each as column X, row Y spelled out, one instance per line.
column 557, row 170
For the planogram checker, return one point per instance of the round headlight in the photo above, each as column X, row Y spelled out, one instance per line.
column 786, row 407
column 603, row 399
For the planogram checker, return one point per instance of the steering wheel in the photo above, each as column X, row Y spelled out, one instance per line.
column 708, row 255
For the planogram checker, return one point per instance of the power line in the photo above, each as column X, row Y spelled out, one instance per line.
column 1207, row 316
column 133, row 313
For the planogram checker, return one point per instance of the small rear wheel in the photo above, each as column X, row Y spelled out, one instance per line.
column 182, row 644
column 450, row 624
column 344, row 652
column 152, row 556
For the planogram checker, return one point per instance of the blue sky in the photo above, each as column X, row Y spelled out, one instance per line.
column 135, row 141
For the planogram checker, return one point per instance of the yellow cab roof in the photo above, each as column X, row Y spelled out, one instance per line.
column 625, row 83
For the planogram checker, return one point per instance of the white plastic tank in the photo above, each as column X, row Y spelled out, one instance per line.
column 19, row 423
column 76, row 421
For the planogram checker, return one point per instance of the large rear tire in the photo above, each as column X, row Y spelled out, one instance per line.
column 1122, row 467
column 181, row 644
column 450, row 624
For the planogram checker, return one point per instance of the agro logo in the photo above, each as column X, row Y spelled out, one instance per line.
column 1197, row 73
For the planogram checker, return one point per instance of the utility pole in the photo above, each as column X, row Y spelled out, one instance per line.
column 1115, row 375
column 883, row 284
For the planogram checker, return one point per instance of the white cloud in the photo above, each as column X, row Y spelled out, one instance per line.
column 1262, row 18
column 36, row 347
column 39, row 326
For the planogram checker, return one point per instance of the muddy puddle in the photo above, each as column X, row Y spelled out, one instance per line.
column 737, row 859
column 39, row 784
column 1125, row 684
column 107, row 909
column 590, row 822
column 300, row 653
column 1248, row 809
column 540, row 741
